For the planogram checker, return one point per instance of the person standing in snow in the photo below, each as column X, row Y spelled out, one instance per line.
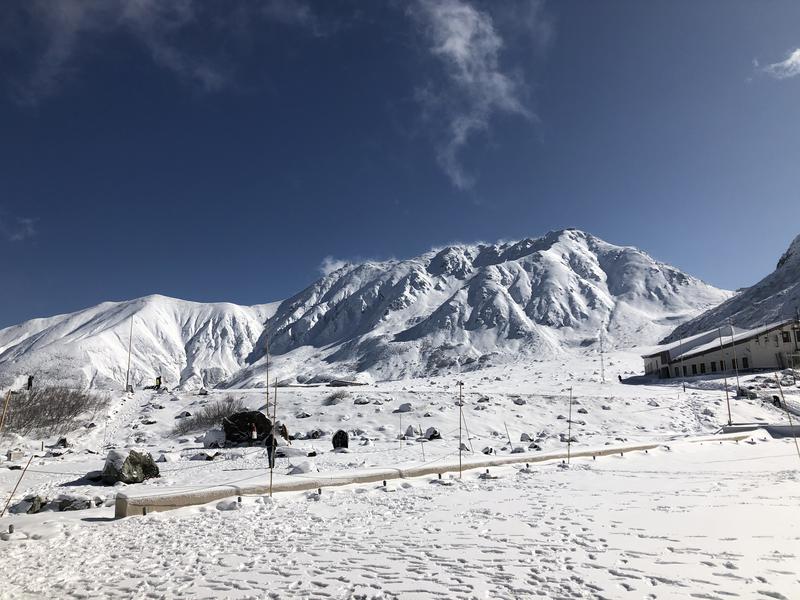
column 253, row 433
column 272, row 447
column 30, row 382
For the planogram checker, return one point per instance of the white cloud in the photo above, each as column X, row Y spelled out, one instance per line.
column 468, row 45
column 17, row 229
column 790, row 67
column 64, row 28
column 330, row 264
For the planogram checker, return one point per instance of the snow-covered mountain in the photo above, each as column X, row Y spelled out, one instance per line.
column 189, row 343
column 456, row 308
column 774, row 298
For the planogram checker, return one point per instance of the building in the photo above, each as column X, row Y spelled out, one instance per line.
column 771, row 347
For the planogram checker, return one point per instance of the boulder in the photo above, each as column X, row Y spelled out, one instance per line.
column 205, row 456
column 203, row 392
column 340, row 440
column 29, row 505
column 525, row 438
column 403, row 408
column 361, row 400
column 518, row 401
column 302, row 415
column 304, row 467
column 214, row 438
column 134, row 467
column 66, row 502
column 432, row 434
column 239, row 425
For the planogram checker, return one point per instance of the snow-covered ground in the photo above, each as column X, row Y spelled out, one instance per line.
column 712, row 520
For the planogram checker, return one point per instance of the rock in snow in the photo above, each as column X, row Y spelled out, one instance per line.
column 133, row 467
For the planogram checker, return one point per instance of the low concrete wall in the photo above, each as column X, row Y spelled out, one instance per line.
column 129, row 504
column 776, row 431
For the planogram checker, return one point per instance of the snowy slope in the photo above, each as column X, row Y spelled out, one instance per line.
column 188, row 343
column 774, row 298
column 458, row 308
column 467, row 306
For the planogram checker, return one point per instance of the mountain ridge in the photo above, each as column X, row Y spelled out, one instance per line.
column 774, row 298
column 458, row 307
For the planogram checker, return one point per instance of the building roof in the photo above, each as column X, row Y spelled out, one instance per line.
column 709, row 341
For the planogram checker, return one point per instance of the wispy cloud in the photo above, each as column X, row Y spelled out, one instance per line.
column 330, row 264
column 62, row 30
column 475, row 87
column 789, row 67
column 17, row 229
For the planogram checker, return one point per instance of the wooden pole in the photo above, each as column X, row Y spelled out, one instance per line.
column 466, row 428
column 602, row 363
column 788, row 413
column 14, row 491
column 735, row 362
column 683, row 373
column 727, row 396
column 130, row 345
column 569, row 427
column 274, row 445
column 5, row 410
column 508, row 435
column 460, row 419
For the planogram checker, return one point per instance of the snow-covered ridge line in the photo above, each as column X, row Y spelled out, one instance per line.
column 458, row 308
column 774, row 298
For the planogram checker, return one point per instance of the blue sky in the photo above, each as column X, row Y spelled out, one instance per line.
column 227, row 150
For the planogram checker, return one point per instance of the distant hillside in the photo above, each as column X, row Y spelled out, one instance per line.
column 774, row 298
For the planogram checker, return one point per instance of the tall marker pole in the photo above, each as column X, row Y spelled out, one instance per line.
column 569, row 427
column 5, row 410
column 602, row 364
column 788, row 413
column 735, row 362
column 460, row 420
column 128, row 371
column 274, row 443
column 727, row 396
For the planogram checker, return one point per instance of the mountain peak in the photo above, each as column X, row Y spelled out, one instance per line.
column 464, row 306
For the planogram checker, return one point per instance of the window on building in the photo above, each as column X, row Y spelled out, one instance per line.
column 684, row 371
column 677, row 372
column 702, row 367
column 797, row 335
column 787, row 338
column 745, row 362
column 722, row 365
column 777, row 341
column 733, row 364
column 694, row 369
column 713, row 366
